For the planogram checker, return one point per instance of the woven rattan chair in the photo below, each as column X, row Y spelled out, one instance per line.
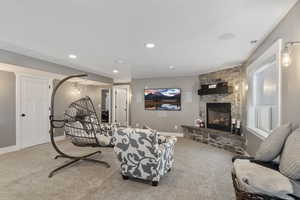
column 80, row 125
column 244, row 195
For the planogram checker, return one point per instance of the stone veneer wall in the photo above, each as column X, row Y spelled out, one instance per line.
column 234, row 79
column 220, row 139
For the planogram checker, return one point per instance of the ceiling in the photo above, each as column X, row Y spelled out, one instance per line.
column 25, row 70
column 194, row 36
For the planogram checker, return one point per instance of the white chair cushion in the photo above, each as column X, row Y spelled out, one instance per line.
column 254, row 178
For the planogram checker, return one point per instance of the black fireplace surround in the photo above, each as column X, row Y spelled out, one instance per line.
column 218, row 116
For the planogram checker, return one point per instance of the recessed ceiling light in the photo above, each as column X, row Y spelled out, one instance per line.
column 72, row 56
column 171, row 67
column 227, row 36
column 149, row 45
column 119, row 61
column 115, row 71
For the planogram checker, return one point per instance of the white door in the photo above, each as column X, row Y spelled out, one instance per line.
column 34, row 111
column 121, row 105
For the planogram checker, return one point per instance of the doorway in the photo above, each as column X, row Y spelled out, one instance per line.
column 33, row 97
column 105, row 105
column 121, row 97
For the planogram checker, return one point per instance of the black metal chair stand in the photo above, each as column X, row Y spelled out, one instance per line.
column 80, row 124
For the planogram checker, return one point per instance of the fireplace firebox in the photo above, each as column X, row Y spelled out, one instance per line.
column 218, row 116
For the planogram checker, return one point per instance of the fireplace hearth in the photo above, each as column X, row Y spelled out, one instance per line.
column 218, row 116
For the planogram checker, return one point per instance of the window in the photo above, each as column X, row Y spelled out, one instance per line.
column 264, row 92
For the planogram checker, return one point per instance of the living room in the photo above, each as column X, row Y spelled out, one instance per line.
column 150, row 100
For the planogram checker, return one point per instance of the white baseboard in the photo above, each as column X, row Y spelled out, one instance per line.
column 4, row 150
column 8, row 149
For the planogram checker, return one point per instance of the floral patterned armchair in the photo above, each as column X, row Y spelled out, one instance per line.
column 141, row 155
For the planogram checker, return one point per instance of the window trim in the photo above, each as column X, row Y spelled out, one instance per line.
column 272, row 52
column 259, row 133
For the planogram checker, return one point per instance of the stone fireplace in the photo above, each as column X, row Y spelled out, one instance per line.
column 232, row 77
column 218, row 116
column 217, row 110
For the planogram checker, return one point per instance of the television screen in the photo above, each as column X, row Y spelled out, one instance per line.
column 163, row 99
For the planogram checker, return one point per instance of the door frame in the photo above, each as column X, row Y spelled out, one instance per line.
column 18, row 105
column 127, row 87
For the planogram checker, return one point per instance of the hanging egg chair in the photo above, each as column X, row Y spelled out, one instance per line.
column 81, row 125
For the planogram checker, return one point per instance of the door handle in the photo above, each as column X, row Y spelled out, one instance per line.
column 23, row 115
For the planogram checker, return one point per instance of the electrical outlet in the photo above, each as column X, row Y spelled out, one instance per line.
column 137, row 125
column 176, row 127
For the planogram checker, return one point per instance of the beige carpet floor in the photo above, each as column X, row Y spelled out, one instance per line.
column 201, row 172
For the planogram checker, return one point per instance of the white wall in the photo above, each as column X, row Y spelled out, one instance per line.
column 288, row 30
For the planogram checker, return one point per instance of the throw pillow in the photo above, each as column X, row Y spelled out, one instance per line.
column 103, row 140
column 289, row 159
column 271, row 147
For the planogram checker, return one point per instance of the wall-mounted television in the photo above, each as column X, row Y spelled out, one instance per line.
column 163, row 99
